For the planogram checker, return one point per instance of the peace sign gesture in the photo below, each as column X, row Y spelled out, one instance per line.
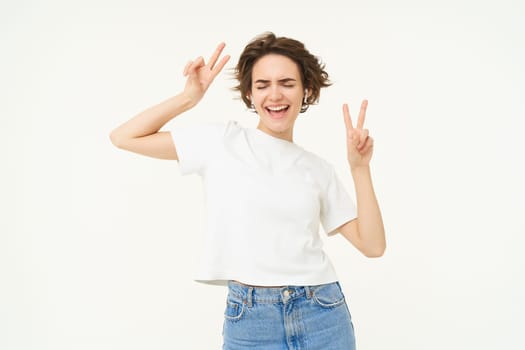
column 359, row 145
column 200, row 74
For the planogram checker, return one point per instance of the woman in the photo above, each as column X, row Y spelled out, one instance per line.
column 266, row 197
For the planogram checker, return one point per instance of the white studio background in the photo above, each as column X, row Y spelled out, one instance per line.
column 97, row 245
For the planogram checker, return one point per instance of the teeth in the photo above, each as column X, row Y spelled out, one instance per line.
column 277, row 108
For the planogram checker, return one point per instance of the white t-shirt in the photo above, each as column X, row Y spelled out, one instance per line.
column 265, row 199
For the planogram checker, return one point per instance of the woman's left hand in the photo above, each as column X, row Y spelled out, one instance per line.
column 359, row 145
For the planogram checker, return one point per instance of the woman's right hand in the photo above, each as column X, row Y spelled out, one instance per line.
column 141, row 133
column 200, row 75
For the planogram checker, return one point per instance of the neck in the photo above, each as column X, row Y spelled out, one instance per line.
column 286, row 135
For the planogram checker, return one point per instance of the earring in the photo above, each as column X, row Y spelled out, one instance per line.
column 252, row 108
column 305, row 105
column 305, row 100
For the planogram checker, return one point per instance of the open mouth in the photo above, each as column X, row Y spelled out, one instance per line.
column 277, row 111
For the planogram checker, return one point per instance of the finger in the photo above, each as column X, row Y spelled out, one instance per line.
column 346, row 116
column 353, row 135
column 216, row 54
column 363, row 135
column 362, row 114
column 216, row 70
column 198, row 63
column 185, row 72
column 368, row 147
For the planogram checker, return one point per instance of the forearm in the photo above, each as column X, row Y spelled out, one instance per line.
column 152, row 119
column 370, row 222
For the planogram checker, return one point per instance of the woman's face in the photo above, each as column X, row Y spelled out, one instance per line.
column 277, row 93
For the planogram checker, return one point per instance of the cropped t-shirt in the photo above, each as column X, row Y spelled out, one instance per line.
column 265, row 199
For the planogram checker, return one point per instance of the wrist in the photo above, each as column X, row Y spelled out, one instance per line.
column 186, row 101
column 360, row 170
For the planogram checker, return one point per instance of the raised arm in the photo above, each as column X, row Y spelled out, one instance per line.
column 367, row 232
column 141, row 133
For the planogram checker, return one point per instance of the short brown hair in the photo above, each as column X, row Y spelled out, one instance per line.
column 313, row 75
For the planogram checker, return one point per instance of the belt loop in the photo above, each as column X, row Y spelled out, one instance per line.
column 308, row 292
column 249, row 296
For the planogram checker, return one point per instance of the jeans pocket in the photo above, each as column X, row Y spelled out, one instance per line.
column 234, row 309
column 328, row 295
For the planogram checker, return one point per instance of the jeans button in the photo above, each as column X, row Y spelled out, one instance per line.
column 286, row 293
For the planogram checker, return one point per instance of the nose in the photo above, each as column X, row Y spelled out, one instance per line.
column 275, row 93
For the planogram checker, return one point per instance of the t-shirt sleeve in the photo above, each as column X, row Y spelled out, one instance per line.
column 337, row 207
column 196, row 145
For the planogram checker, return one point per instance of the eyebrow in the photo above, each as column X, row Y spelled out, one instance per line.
column 284, row 80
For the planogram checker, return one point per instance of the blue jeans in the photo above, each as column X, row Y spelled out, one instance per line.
column 291, row 317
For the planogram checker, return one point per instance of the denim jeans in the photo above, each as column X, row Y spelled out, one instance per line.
column 291, row 317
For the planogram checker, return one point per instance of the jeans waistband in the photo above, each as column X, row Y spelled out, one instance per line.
column 269, row 295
